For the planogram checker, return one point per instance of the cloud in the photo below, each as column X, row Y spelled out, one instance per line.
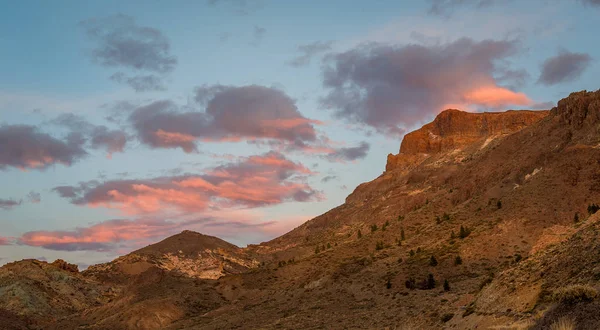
column 141, row 83
column 328, row 178
column 104, row 236
column 34, row 197
column 390, row 88
column 4, row 241
column 99, row 137
column 23, row 147
column 267, row 113
column 349, row 153
column 564, row 67
column 8, row 204
column 591, row 2
column 240, row 7
column 258, row 35
column 253, row 181
column 121, row 43
column 446, row 7
column 308, row 51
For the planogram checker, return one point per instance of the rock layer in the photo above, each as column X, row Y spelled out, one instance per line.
column 454, row 129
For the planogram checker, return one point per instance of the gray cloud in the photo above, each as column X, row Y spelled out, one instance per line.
column 308, row 51
column 390, row 88
column 231, row 114
column 8, row 204
column 240, row 7
column 121, row 43
column 140, row 83
column 34, row 197
column 328, row 178
column 446, row 7
column 349, row 154
column 564, row 67
column 591, row 2
column 257, row 35
column 99, row 137
column 23, row 146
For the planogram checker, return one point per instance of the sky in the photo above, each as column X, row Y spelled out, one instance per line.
column 125, row 122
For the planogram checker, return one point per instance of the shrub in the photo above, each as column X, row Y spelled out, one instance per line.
column 402, row 237
column 419, row 249
column 458, row 261
column 452, row 235
column 593, row 208
column 373, row 228
column 400, row 217
column 446, row 285
column 329, row 245
column 433, row 261
column 447, row 317
column 410, row 284
column 430, row 281
column 499, row 204
column 411, row 253
column 388, row 284
column 379, row 245
column 574, row 294
column 317, row 250
column 576, row 217
column 359, row 234
column 518, row 258
column 563, row 323
column 464, row 232
column 446, row 217
column 437, row 219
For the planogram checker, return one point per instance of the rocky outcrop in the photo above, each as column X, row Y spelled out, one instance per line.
column 579, row 109
column 453, row 129
column 61, row 264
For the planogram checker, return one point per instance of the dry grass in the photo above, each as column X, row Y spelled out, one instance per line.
column 563, row 323
column 574, row 294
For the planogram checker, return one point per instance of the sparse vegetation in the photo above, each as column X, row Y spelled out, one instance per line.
column 328, row 245
column 317, row 250
column 593, row 208
column 447, row 317
column 574, row 294
column 400, row 218
column 499, row 204
column 388, row 284
column 411, row 253
column 446, row 217
column 518, row 257
column 373, row 228
column 457, row 261
column 379, row 245
column 464, row 232
column 410, row 284
column 452, row 235
column 430, row 281
column 359, row 234
column 446, row 285
column 438, row 220
column 576, row 217
column 402, row 236
column 563, row 323
column 433, row 261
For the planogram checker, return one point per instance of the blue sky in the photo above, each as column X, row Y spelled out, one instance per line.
column 371, row 72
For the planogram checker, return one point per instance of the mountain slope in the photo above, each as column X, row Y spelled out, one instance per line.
column 488, row 207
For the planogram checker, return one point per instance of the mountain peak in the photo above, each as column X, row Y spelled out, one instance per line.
column 579, row 109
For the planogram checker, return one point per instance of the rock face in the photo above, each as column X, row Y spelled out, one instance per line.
column 454, row 129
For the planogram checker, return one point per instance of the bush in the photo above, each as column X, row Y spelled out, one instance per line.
column 518, row 257
column 446, row 217
column 457, row 261
column 388, row 284
column 317, row 250
column 446, row 285
column 576, row 217
column 373, row 228
column 359, row 234
column 430, row 281
column 574, row 294
column 329, row 245
column 452, row 235
column 437, row 219
column 447, row 317
column 563, row 324
column 433, row 261
column 411, row 253
column 593, row 208
column 464, row 232
column 400, row 217
column 402, row 237
column 410, row 284
column 499, row 205
column 379, row 245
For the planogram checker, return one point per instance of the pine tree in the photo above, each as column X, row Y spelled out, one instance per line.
column 433, row 261
column 402, row 237
column 446, row 285
column 430, row 281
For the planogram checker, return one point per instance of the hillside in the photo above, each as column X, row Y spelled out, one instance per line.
column 484, row 202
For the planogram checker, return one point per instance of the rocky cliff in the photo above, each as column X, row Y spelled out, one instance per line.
column 454, row 129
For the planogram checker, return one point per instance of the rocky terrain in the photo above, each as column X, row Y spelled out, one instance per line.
column 482, row 221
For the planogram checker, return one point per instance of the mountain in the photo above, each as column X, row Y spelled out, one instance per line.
column 481, row 221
